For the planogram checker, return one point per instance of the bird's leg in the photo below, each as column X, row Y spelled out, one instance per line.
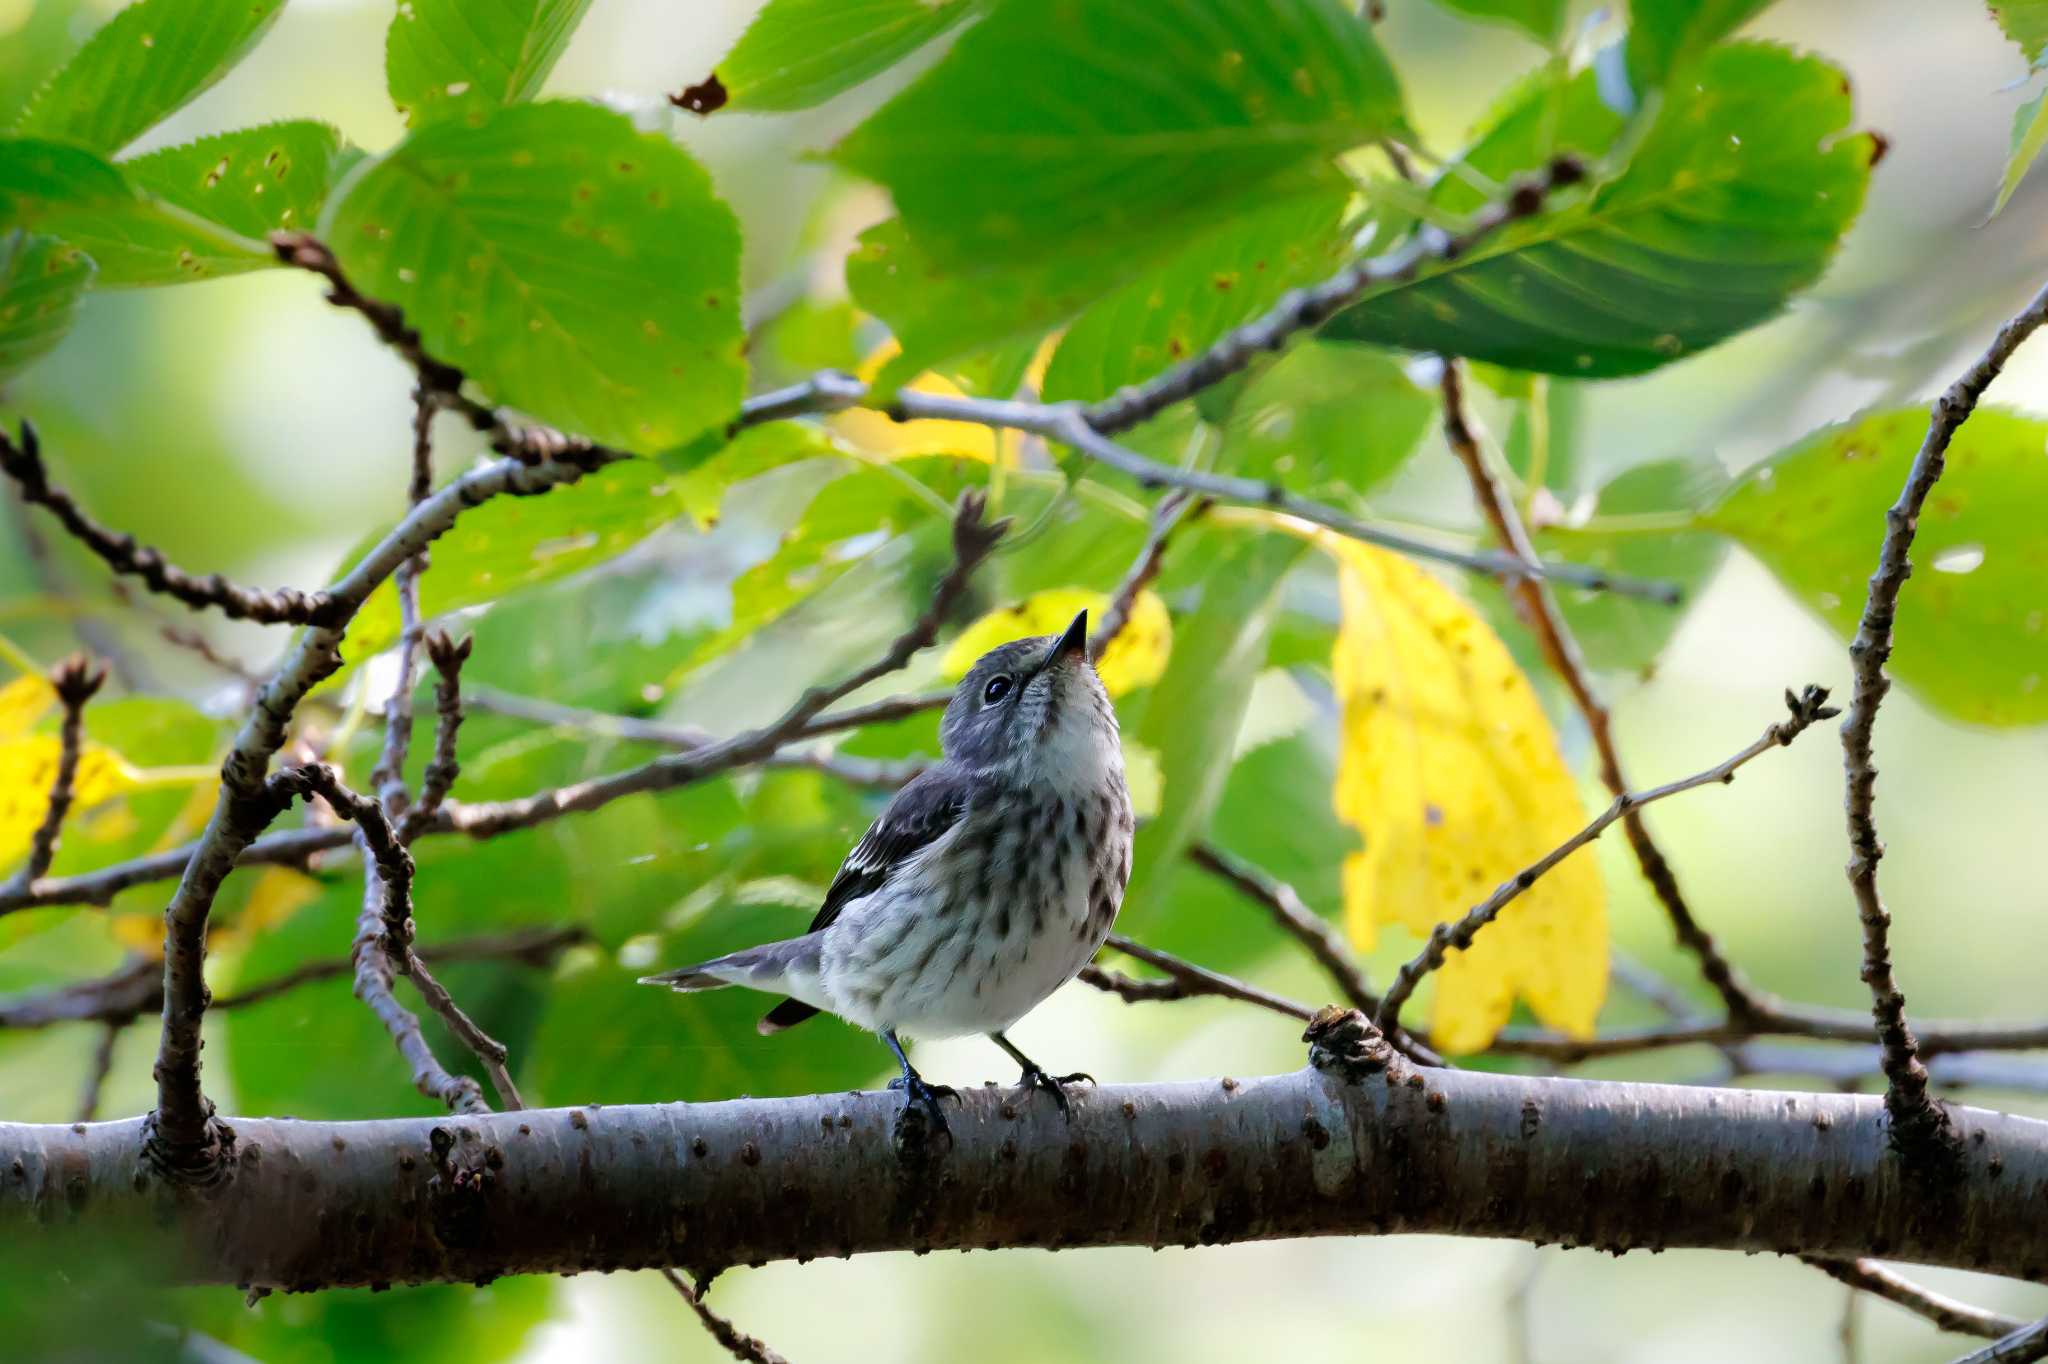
column 915, row 1090
column 1035, row 1077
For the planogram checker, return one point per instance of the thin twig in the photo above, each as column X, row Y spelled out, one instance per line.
column 23, row 462
column 1300, row 922
column 1805, row 710
column 445, row 766
column 1539, row 610
column 2023, row 1346
column 1186, row 980
column 1300, row 309
column 737, row 1342
column 387, row 779
column 1166, row 518
column 1917, row 1122
column 1949, row 1314
column 97, row 1069
column 76, row 681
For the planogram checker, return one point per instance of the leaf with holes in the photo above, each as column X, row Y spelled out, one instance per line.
column 41, row 282
column 133, row 238
column 253, row 181
column 444, row 57
column 1972, row 630
column 798, row 53
column 1449, row 770
column 147, row 62
column 572, row 266
column 1733, row 202
column 1055, row 126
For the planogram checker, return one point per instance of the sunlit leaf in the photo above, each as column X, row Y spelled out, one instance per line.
column 24, row 701
column 1733, row 202
column 874, row 431
column 1972, row 631
column 2026, row 23
column 28, row 765
column 1326, row 416
column 1450, row 772
column 41, row 282
column 444, row 57
column 2029, row 135
column 569, row 264
column 254, row 181
column 1136, row 658
column 148, row 61
column 134, row 238
column 798, row 53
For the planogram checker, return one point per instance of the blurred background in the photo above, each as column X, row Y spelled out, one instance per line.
column 246, row 427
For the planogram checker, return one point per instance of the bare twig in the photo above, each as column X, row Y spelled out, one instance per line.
column 2023, row 1346
column 438, row 780
column 736, row 1342
column 1949, row 1314
column 1918, row 1123
column 1185, row 980
column 1805, row 710
column 23, row 462
column 1166, row 518
column 98, row 1068
column 1539, row 610
column 387, row 779
column 76, row 680
column 1300, row 922
column 1301, row 309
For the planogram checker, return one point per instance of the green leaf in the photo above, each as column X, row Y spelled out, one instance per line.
column 2026, row 23
column 1733, row 202
column 798, row 53
column 41, row 281
column 513, row 544
column 1326, row 417
column 254, row 181
column 1637, row 530
column 1972, row 633
column 1193, row 714
column 444, row 57
column 148, row 61
column 2029, row 133
column 570, row 265
column 1664, row 35
column 420, row 1321
column 1228, row 274
column 1056, row 126
column 1542, row 20
column 133, row 238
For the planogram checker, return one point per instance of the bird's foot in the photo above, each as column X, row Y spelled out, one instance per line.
column 1056, row 1085
column 916, row 1092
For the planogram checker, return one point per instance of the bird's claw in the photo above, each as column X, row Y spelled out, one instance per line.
column 1056, row 1085
column 916, row 1091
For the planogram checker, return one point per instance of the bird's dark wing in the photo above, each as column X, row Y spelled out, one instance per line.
column 923, row 810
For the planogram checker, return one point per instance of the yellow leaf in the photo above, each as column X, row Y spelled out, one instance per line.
column 1450, row 771
column 278, row 894
column 142, row 933
column 874, row 432
column 1135, row 658
column 22, row 703
column 28, row 765
column 1144, row 778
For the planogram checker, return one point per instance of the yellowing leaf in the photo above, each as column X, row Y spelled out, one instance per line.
column 139, row 932
column 1144, row 778
column 278, row 894
column 1135, row 658
column 876, row 433
column 1450, row 771
column 22, row 703
column 28, row 765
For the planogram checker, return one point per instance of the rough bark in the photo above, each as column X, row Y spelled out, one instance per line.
column 1363, row 1145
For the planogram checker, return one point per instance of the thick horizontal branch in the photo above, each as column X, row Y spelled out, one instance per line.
column 1318, row 1152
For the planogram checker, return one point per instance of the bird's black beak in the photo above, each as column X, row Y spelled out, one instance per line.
column 1072, row 644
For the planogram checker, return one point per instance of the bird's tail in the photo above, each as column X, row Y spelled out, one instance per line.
column 771, row 966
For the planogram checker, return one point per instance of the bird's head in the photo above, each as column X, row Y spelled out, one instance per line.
column 1034, row 706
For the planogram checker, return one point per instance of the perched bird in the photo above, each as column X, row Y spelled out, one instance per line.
column 986, row 884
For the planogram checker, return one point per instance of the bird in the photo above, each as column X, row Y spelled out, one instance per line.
column 986, row 883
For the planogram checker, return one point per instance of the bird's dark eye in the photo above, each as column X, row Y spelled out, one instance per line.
column 998, row 688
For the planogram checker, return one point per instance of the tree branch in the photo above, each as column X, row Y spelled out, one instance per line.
column 1538, row 610
column 23, row 463
column 1300, row 922
column 2023, row 1346
column 1805, row 710
column 736, row 1342
column 1949, row 1314
column 1184, row 981
column 1361, row 1144
column 1916, row 1118
column 438, row 780
column 76, row 681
